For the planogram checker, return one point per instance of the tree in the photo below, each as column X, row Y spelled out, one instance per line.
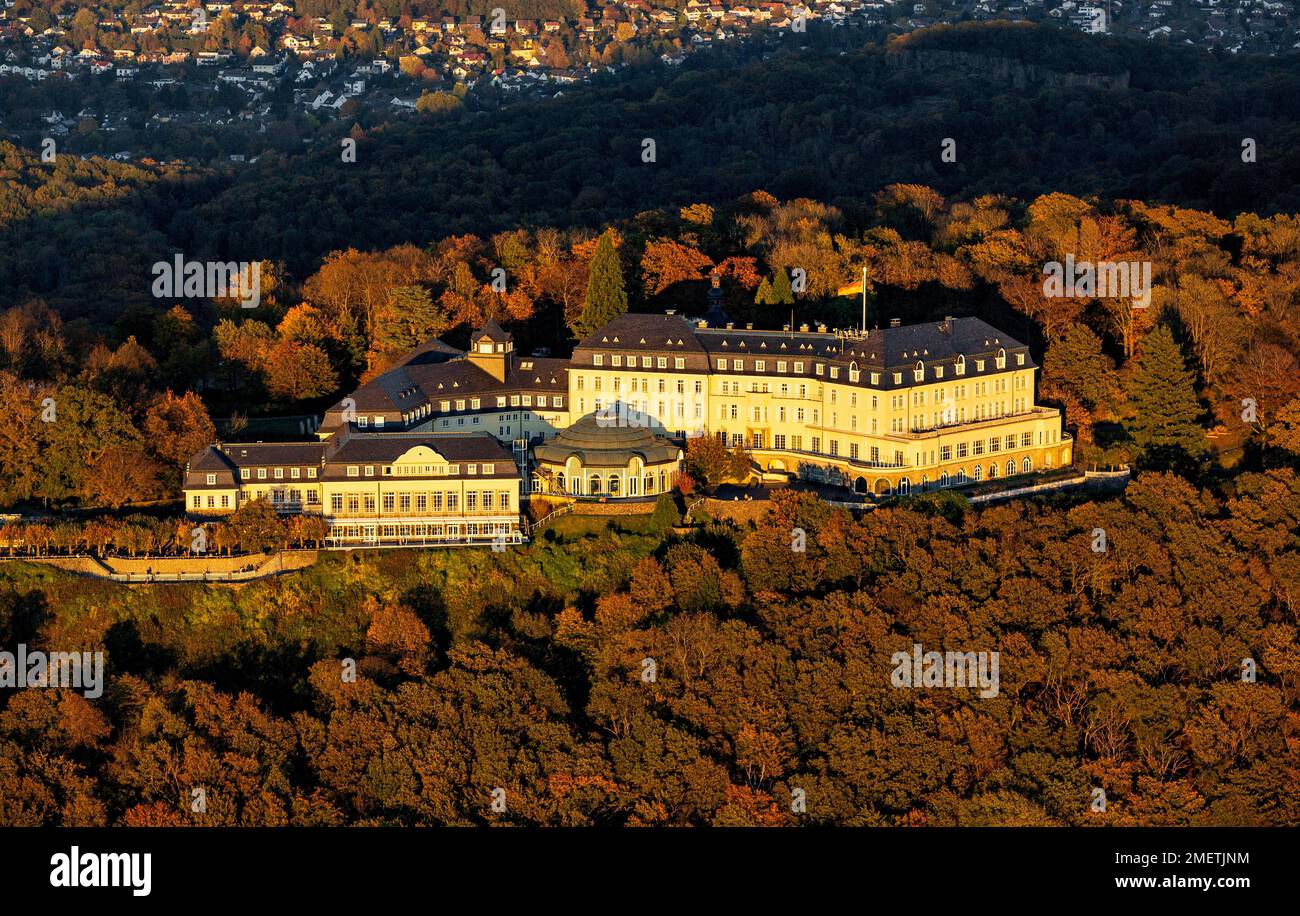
column 257, row 527
column 1165, row 410
column 606, row 296
column 666, row 262
column 297, row 371
column 176, row 429
column 121, row 474
column 437, row 103
column 781, row 289
column 1075, row 363
column 665, row 515
column 406, row 320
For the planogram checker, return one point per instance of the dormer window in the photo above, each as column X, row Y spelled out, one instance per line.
column 918, row 374
column 961, row 364
column 1002, row 359
column 853, row 371
column 485, row 347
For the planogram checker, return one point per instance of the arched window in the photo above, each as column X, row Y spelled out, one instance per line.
column 649, row 484
column 1011, row 467
column 853, row 371
column 594, row 485
column 613, row 484
column 979, row 472
column 925, row 482
column 1028, row 465
column 961, row 364
column 961, row 477
column 904, row 486
column 993, row 471
column 661, row 482
column 943, row 479
column 918, row 373
column 559, row 481
column 1002, row 358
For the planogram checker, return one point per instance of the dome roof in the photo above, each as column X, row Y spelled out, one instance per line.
column 593, row 432
column 606, row 442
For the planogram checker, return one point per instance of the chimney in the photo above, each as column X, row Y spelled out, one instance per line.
column 895, row 322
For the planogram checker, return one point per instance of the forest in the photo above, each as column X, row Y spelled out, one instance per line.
column 1120, row 670
column 807, row 123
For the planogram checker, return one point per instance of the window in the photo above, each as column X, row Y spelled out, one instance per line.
column 760, row 365
column 662, row 362
column 261, row 473
column 1027, row 465
column 244, row 473
column 370, row 470
column 598, row 359
column 961, row 450
column 679, row 363
column 212, row 479
column 617, row 360
column 379, row 422
column 354, row 470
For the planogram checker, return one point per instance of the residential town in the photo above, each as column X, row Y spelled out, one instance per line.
column 259, row 62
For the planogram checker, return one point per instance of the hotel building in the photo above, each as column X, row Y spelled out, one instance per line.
column 437, row 449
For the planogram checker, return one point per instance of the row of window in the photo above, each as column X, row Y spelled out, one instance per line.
column 431, row 501
column 515, row 400
column 425, row 470
column 647, row 362
column 369, row 533
column 737, row 364
column 613, row 485
column 960, row 478
column 274, row 474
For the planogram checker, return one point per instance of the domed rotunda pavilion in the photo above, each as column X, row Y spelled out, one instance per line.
column 606, row 457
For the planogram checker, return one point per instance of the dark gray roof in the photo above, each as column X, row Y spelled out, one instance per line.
column 599, row 445
column 384, row 448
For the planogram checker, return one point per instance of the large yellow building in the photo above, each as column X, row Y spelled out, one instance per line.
column 436, row 450
column 890, row 410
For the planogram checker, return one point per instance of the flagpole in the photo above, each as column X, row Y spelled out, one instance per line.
column 864, row 299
